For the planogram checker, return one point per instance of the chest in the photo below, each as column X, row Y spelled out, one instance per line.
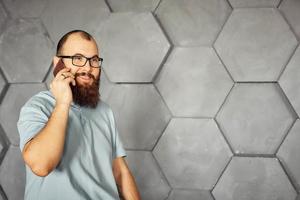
column 88, row 138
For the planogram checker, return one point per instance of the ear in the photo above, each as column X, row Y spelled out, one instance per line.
column 55, row 61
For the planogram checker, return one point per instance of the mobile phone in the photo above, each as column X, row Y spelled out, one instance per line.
column 59, row 66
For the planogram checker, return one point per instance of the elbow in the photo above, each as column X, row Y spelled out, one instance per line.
column 36, row 166
column 40, row 171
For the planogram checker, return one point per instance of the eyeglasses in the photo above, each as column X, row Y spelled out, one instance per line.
column 80, row 60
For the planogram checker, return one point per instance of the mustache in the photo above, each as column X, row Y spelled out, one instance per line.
column 85, row 74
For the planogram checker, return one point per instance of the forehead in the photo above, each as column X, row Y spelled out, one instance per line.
column 77, row 44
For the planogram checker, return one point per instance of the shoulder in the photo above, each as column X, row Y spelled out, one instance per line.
column 104, row 106
column 39, row 106
column 105, row 109
column 43, row 99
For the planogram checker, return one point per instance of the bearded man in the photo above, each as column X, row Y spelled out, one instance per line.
column 68, row 135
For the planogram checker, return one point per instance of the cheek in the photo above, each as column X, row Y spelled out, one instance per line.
column 96, row 73
column 74, row 70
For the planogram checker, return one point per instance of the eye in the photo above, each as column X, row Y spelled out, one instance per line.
column 95, row 59
column 78, row 58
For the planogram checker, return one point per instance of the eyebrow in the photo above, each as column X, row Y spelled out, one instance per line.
column 79, row 54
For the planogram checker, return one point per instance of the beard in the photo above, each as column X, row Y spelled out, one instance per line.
column 86, row 95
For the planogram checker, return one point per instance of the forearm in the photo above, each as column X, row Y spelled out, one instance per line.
column 127, row 187
column 44, row 151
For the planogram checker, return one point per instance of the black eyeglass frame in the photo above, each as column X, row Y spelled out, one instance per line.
column 87, row 59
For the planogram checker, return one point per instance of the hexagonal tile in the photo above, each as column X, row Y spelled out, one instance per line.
column 255, row 118
column 29, row 8
column 255, row 44
column 12, row 174
column 180, row 194
column 4, row 143
column 193, row 82
column 254, row 178
column 289, row 153
column 67, row 17
column 21, row 45
column 193, row 22
column 254, row 3
column 141, row 115
column 3, row 17
column 192, row 153
column 133, row 5
column 290, row 9
column 150, row 181
column 290, row 82
column 133, row 46
column 15, row 98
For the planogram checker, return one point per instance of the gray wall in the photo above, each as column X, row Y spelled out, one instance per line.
column 205, row 92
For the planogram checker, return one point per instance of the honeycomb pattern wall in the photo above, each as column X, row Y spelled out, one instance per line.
column 205, row 92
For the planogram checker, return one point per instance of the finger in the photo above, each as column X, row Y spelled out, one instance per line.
column 68, row 79
column 62, row 77
column 64, row 70
column 69, row 74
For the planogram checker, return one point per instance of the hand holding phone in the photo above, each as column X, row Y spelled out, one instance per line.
column 59, row 66
column 60, row 85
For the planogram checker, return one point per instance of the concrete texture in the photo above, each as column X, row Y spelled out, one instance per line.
column 192, row 153
column 254, row 178
column 290, row 82
column 255, row 118
column 148, row 175
column 255, row 44
column 193, row 82
column 133, row 5
column 290, row 10
column 194, row 22
column 179, row 194
column 253, row 3
column 289, row 153
column 133, row 63
column 20, row 51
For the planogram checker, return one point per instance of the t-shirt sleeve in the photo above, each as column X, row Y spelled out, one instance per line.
column 31, row 120
column 118, row 149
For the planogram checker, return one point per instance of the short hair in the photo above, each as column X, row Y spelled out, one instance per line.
column 64, row 38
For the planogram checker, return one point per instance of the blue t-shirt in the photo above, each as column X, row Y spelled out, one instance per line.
column 92, row 142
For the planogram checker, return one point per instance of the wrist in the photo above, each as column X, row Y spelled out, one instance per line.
column 63, row 104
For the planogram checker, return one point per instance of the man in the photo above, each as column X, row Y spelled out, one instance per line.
column 68, row 136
